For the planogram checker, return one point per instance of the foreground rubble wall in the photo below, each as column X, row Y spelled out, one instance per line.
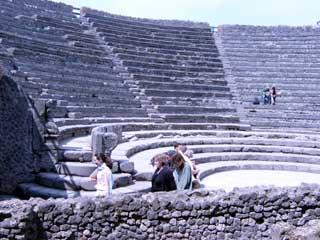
column 242, row 214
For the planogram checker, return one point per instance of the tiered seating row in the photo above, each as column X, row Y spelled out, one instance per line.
column 169, row 62
column 284, row 57
column 57, row 59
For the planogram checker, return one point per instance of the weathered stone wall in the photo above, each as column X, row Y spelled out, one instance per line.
column 16, row 127
column 242, row 214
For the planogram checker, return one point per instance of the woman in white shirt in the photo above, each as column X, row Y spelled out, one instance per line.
column 103, row 175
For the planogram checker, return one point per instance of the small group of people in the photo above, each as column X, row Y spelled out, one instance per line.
column 269, row 95
column 174, row 170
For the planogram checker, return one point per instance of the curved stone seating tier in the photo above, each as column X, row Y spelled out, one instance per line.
column 83, row 130
column 145, row 77
column 36, row 190
column 216, row 151
column 163, row 50
column 125, row 52
column 165, row 66
column 159, row 60
column 96, row 120
column 41, row 47
column 14, row 10
column 161, row 44
column 174, row 73
column 184, row 39
column 146, row 24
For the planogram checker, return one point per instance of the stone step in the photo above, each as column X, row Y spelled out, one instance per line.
column 82, row 169
column 115, row 33
column 286, row 106
column 112, row 81
column 185, row 86
column 272, row 46
column 287, row 93
column 293, row 87
column 143, row 27
column 90, row 101
column 74, row 96
column 145, row 24
column 48, row 48
column 187, row 94
column 85, row 39
column 174, row 73
column 65, row 67
column 255, row 156
column 285, row 124
column 212, row 57
column 275, row 65
column 65, row 72
column 252, row 56
column 252, row 59
column 119, row 32
column 85, row 121
column 194, row 109
column 198, row 118
column 156, row 43
column 85, row 45
column 69, row 57
column 274, row 81
column 145, row 77
column 107, row 110
column 272, row 50
column 304, row 75
column 93, row 91
column 207, row 169
column 279, row 115
column 168, row 51
column 35, row 190
column 84, row 130
column 125, row 113
column 263, row 69
column 63, row 182
column 188, row 62
column 12, row 25
column 166, row 66
column 191, row 102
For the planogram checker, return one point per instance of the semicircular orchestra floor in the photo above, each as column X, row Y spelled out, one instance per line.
column 248, row 178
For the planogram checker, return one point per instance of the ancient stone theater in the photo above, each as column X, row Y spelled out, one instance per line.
column 76, row 82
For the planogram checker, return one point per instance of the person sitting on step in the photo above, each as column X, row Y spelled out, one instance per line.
column 182, row 172
column 273, row 94
column 103, row 175
column 162, row 179
column 195, row 171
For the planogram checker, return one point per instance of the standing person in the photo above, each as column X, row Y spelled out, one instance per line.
column 103, row 175
column 162, row 179
column 182, row 172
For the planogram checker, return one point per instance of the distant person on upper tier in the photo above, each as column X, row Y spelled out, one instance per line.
column 266, row 96
column 273, row 94
column 103, row 175
column 182, row 172
column 162, row 179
